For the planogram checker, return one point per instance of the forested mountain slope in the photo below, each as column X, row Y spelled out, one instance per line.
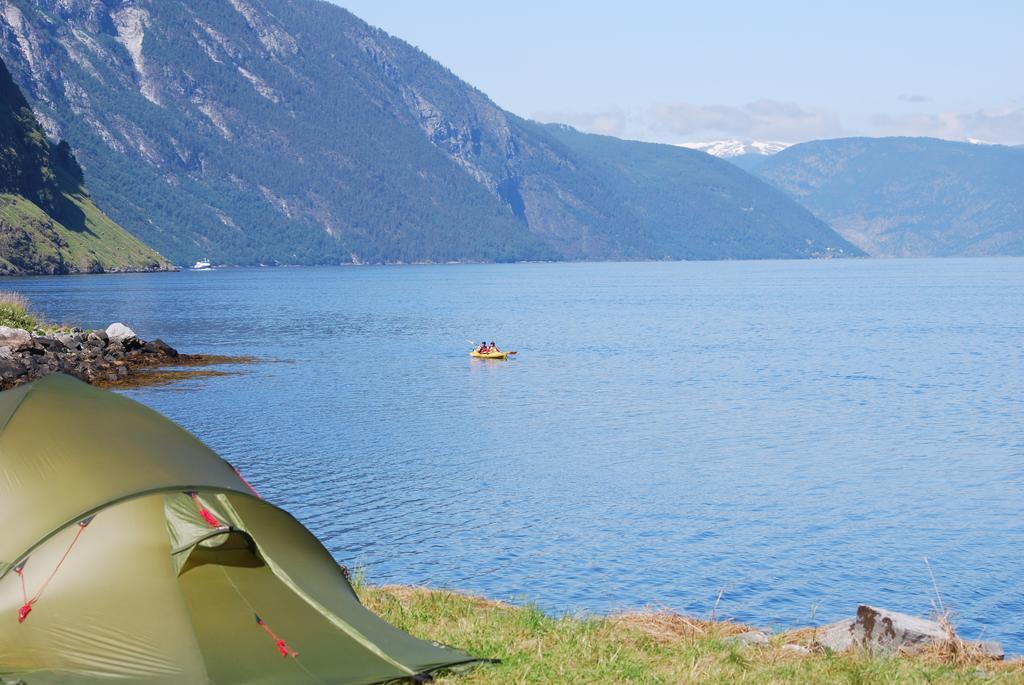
column 909, row 197
column 290, row 131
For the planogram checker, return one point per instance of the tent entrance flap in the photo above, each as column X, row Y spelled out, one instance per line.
column 246, row 620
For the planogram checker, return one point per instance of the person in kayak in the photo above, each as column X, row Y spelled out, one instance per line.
column 493, row 347
column 484, row 349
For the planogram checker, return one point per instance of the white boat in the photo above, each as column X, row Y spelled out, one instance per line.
column 202, row 265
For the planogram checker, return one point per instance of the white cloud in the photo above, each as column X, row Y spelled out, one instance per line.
column 761, row 119
column 611, row 122
column 675, row 122
column 999, row 125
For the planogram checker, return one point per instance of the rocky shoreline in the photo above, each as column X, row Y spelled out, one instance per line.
column 101, row 357
column 880, row 632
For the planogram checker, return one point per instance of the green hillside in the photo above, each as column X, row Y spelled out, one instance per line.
column 48, row 222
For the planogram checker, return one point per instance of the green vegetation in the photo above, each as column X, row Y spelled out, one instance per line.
column 14, row 311
column 289, row 131
column 48, row 221
column 909, row 197
column 641, row 648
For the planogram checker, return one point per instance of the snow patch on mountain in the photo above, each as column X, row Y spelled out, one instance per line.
column 736, row 148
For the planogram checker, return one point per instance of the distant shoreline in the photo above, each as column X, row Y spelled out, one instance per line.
column 349, row 265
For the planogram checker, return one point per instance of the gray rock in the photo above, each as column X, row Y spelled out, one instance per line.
column 989, row 648
column 751, row 637
column 6, row 352
column 837, row 636
column 887, row 632
column 158, row 346
column 68, row 340
column 51, row 344
column 118, row 332
column 11, row 369
column 796, row 649
column 15, row 338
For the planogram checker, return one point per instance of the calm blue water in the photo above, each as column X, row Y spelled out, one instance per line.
column 799, row 434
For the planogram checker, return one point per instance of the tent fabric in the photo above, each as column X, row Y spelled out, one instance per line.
column 188, row 579
column 77, row 448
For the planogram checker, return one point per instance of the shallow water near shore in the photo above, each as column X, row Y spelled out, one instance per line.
column 795, row 435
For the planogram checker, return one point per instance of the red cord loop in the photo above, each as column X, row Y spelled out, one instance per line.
column 26, row 607
column 281, row 645
column 210, row 519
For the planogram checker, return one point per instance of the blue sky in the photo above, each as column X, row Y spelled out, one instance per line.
column 678, row 71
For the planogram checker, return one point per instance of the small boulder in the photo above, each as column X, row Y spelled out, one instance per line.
column 97, row 339
column 51, row 344
column 989, row 648
column 796, row 649
column 118, row 332
column 68, row 340
column 11, row 369
column 15, row 338
column 158, row 346
column 751, row 637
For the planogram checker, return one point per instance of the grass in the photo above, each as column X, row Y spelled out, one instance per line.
column 643, row 647
column 14, row 311
column 84, row 240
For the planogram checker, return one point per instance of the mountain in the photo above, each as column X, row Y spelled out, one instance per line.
column 48, row 222
column 909, row 197
column 290, row 131
column 747, row 155
column 727, row 217
column 738, row 148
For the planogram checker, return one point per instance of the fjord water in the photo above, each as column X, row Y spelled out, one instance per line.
column 796, row 435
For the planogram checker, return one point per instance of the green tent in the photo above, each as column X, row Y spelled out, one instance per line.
column 131, row 553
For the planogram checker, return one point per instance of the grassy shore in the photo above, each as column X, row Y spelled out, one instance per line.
column 645, row 648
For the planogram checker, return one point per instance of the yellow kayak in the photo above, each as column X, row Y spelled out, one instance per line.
column 489, row 355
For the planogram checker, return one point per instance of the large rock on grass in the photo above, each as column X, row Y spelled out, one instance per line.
column 888, row 632
column 885, row 632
